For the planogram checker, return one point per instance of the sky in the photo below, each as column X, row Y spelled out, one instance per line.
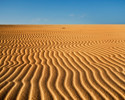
column 62, row 11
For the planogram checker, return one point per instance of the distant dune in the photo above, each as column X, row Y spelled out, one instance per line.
column 62, row 62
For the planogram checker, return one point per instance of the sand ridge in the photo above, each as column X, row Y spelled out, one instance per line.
column 62, row 62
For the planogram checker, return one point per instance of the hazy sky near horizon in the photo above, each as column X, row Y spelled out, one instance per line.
column 62, row 11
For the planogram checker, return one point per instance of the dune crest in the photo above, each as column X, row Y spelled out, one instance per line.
column 62, row 62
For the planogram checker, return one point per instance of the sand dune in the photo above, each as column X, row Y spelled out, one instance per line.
column 62, row 62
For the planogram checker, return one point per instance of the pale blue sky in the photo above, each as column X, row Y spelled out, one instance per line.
column 62, row 11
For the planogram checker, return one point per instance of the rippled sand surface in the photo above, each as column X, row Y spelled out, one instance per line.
column 62, row 62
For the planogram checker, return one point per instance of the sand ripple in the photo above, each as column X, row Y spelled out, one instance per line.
column 78, row 62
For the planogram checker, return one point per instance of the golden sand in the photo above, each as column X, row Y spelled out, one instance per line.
column 62, row 62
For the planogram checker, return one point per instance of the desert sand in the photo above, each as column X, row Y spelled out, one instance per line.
column 62, row 62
